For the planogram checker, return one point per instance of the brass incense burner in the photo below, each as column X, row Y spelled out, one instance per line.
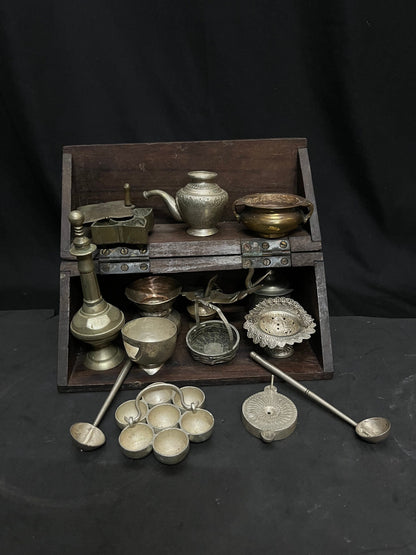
column 272, row 215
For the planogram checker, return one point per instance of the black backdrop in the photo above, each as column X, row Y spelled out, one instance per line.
column 341, row 73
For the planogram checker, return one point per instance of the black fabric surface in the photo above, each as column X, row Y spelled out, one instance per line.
column 340, row 73
column 322, row 490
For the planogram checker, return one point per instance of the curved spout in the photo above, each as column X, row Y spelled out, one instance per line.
column 169, row 200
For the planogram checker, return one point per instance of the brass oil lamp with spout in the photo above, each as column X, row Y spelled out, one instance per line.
column 97, row 322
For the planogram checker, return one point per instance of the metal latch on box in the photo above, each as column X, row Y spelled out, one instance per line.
column 266, row 253
column 123, row 260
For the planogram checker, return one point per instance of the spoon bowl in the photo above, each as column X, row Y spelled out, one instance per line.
column 374, row 429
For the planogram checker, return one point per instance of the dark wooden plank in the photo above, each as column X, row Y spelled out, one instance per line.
column 171, row 240
column 63, row 329
column 305, row 175
column 195, row 264
column 300, row 259
column 66, row 204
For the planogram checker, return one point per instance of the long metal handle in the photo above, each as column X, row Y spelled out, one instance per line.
column 117, row 384
column 274, row 370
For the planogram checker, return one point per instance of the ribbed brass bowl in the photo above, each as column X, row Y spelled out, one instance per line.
column 272, row 215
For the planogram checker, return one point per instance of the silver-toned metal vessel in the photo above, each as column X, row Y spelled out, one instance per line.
column 275, row 284
column 269, row 415
column 97, row 322
column 171, row 429
column 149, row 342
column 276, row 324
column 200, row 204
column 372, row 430
column 213, row 341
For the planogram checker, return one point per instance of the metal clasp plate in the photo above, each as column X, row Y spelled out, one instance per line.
column 261, row 253
column 123, row 260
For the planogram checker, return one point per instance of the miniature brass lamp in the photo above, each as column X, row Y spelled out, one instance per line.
column 97, row 322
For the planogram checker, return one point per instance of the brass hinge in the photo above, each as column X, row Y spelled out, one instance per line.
column 123, row 260
column 266, row 253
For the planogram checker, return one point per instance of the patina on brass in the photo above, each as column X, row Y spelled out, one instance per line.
column 149, row 342
column 200, row 204
column 111, row 209
column 269, row 415
column 372, row 430
column 97, row 322
column 277, row 323
column 136, row 441
column 154, row 295
column 213, row 341
column 171, row 445
column 89, row 436
column 133, row 230
column 202, row 298
column 198, row 424
column 272, row 215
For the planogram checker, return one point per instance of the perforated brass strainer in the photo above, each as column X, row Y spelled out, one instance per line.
column 278, row 323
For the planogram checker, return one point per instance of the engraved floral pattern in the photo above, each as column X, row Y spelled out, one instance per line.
column 277, row 322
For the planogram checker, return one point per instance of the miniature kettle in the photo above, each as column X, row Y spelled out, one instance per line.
column 199, row 204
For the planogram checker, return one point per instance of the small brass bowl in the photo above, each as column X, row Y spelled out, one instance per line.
column 191, row 394
column 198, row 424
column 163, row 416
column 157, row 396
column 171, row 446
column 154, row 295
column 272, row 215
column 128, row 410
column 136, row 441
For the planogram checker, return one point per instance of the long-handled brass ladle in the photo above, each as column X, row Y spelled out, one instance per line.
column 89, row 436
column 373, row 430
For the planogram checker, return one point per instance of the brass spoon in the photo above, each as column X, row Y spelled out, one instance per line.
column 373, row 430
column 88, row 436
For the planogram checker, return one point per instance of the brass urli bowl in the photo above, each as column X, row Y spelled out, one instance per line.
column 272, row 215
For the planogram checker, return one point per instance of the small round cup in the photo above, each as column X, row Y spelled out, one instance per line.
column 163, row 416
column 171, row 446
column 198, row 424
column 136, row 441
column 191, row 394
column 157, row 396
column 128, row 410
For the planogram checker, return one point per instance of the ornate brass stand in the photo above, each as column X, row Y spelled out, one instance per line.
column 96, row 322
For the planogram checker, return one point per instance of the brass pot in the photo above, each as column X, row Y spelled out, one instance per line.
column 272, row 215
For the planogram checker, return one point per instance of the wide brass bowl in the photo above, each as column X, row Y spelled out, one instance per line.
column 272, row 215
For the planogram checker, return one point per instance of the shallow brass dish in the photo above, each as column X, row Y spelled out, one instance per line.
column 272, row 215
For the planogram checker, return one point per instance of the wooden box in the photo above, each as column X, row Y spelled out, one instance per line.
column 96, row 173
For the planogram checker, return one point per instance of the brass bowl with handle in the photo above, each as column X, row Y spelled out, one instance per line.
column 272, row 215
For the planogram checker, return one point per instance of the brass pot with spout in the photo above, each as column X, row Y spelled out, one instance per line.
column 199, row 204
